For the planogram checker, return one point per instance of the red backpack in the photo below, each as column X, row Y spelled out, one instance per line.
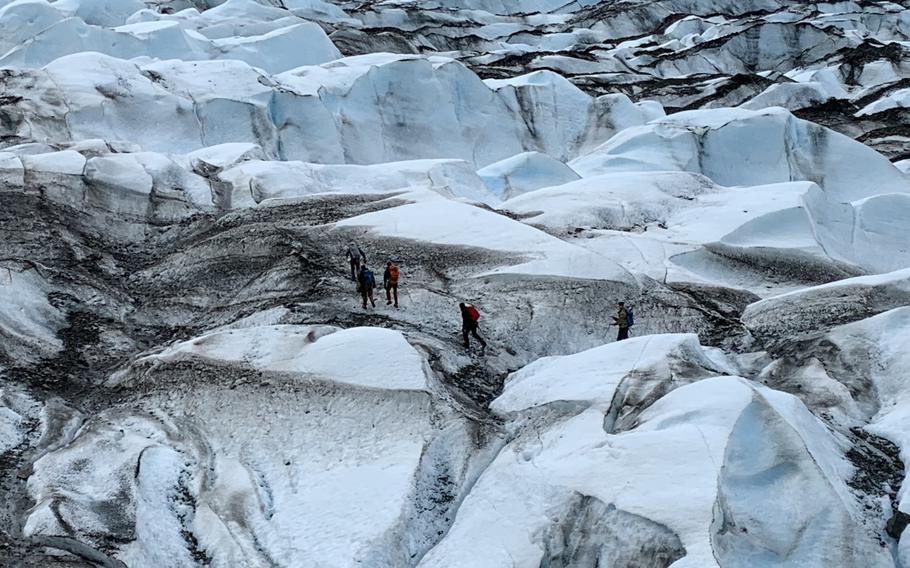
column 472, row 311
column 393, row 273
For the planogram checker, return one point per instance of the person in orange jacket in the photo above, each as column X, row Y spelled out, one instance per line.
column 390, row 282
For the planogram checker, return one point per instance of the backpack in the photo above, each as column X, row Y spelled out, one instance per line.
column 368, row 280
column 472, row 311
column 630, row 316
column 393, row 273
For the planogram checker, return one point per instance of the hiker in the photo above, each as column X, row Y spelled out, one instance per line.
column 469, row 317
column 623, row 319
column 390, row 282
column 355, row 254
column 365, row 284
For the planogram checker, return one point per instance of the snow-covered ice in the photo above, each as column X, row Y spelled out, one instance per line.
column 525, row 172
column 445, row 222
column 188, row 376
column 306, row 351
column 740, row 454
column 819, row 308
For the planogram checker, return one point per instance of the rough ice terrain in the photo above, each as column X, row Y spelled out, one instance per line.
column 188, row 377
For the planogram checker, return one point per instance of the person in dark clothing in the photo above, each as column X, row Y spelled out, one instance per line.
column 355, row 256
column 469, row 317
column 390, row 282
column 365, row 284
column 621, row 319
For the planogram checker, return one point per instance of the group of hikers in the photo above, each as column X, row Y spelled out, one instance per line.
column 470, row 316
column 365, row 279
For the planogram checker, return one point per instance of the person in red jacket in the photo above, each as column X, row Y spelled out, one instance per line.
column 469, row 317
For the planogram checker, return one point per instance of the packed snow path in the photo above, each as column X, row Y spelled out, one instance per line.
column 187, row 377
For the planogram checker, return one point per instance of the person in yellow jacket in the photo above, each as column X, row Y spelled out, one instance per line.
column 621, row 319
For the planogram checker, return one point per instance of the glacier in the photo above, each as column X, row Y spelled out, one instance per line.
column 187, row 376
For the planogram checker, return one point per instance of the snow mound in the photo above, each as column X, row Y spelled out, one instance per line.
column 240, row 495
column 386, row 360
column 20, row 21
column 502, row 7
column 651, row 364
column 214, row 159
column 525, row 172
column 614, row 201
column 898, row 99
column 668, row 224
column 244, row 18
column 865, row 232
column 856, row 374
column 816, row 309
column 437, row 220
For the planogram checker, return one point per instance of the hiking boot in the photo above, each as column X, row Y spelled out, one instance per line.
column 389, row 303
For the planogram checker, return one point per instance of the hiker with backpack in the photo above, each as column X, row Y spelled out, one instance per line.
column 624, row 318
column 355, row 254
column 390, row 282
column 365, row 284
column 469, row 317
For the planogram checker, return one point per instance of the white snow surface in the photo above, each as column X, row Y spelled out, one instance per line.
column 388, row 361
column 440, row 221
column 593, row 376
